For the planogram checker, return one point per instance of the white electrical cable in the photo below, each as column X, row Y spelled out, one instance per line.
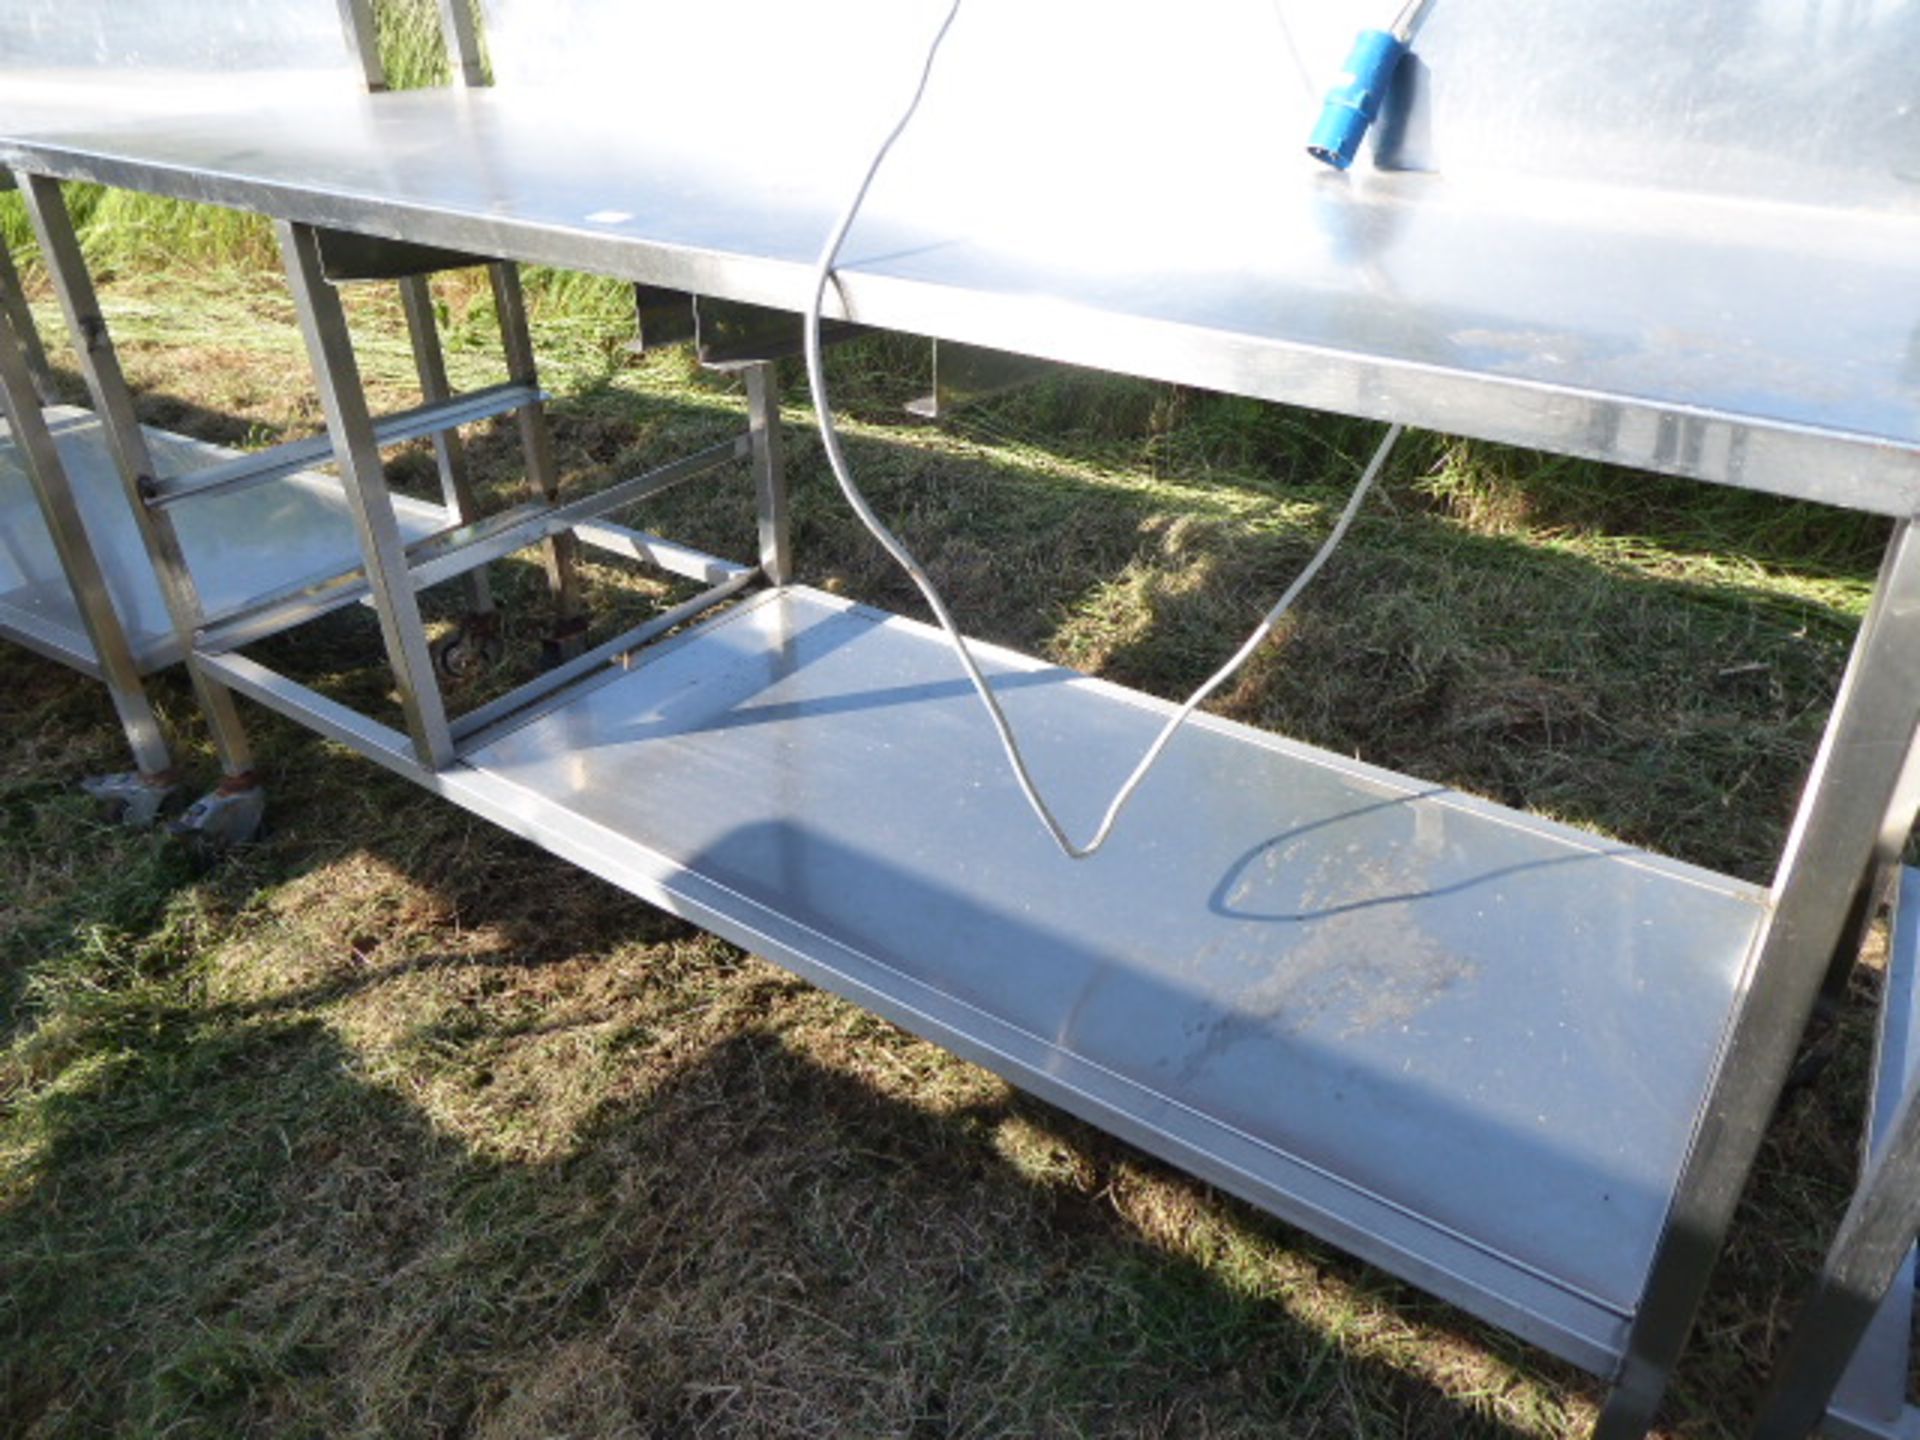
column 830, row 438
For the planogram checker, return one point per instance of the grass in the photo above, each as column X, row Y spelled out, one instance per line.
column 391, row 1125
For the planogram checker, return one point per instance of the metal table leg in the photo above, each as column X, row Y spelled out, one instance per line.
column 463, row 42
column 472, row 647
column 140, row 796
column 233, row 810
column 330, row 349
column 769, row 476
column 1872, row 1246
column 1842, row 814
column 13, row 302
column 543, row 476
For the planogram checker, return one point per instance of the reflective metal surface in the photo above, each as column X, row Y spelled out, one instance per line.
column 1800, row 101
column 369, row 498
column 257, row 467
column 1796, row 101
column 345, row 256
column 16, row 314
column 240, row 546
column 133, row 457
column 728, row 334
column 172, row 54
column 1481, row 1038
column 1488, row 1053
column 662, row 318
column 1175, row 236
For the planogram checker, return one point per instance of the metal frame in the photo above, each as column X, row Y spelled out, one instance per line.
column 435, row 418
column 1846, row 802
column 392, row 573
column 769, row 476
column 558, row 551
column 105, row 650
column 462, row 37
column 357, row 452
column 1804, row 461
column 26, row 384
column 363, row 41
column 1845, row 1369
column 967, row 374
column 449, row 453
column 26, row 377
column 113, row 403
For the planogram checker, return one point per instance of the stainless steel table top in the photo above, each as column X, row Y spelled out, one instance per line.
column 1177, row 234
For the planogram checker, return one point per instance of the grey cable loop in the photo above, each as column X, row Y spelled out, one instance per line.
column 894, row 546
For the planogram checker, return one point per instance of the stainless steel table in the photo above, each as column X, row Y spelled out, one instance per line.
column 1517, row 1065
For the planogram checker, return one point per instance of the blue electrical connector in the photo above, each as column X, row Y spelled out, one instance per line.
column 1361, row 88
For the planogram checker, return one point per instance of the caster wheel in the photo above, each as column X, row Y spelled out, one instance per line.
column 130, row 798
column 467, row 650
column 222, row 819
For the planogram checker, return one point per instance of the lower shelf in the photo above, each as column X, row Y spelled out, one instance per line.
column 239, row 545
column 1464, row 1043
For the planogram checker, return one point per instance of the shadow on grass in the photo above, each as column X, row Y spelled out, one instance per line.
column 232, row 1230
